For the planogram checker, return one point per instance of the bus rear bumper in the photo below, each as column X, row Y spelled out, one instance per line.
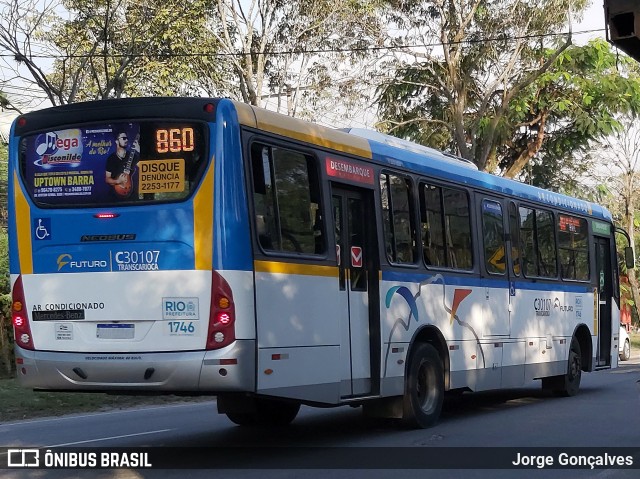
column 206, row 372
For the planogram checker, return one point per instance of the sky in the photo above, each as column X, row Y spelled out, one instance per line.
column 593, row 20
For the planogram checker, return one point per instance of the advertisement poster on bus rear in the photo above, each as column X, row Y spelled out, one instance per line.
column 92, row 165
column 102, row 164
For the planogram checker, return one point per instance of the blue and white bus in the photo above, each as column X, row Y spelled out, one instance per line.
column 207, row 247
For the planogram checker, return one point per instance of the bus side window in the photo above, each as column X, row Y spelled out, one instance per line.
column 263, row 195
column 493, row 237
column 286, row 195
column 397, row 218
column 431, row 213
column 545, row 230
column 446, row 227
column 538, row 243
column 527, row 242
column 264, row 237
column 458, row 228
column 573, row 248
column 514, row 234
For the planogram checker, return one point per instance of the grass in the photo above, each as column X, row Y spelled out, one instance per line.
column 19, row 403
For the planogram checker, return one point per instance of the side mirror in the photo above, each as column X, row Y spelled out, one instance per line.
column 628, row 257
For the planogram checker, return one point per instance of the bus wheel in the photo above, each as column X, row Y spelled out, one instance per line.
column 266, row 413
column 271, row 412
column 569, row 383
column 424, row 388
column 242, row 419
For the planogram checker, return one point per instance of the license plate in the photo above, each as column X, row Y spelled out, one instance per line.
column 115, row 331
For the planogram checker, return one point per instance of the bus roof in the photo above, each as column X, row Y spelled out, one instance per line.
column 410, row 156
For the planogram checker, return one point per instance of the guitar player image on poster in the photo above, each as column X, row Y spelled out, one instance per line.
column 121, row 164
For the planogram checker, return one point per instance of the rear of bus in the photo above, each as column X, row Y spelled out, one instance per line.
column 114, row 284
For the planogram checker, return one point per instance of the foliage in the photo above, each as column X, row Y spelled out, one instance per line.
column 105, row 49
column 23, row 23
column 625, row 295
column 4, row 166
column 573, row 104
column 619, row 172
column 297, row 55
column 113, row 49
column 467, row 90
column 6, row 328
column 7, row 363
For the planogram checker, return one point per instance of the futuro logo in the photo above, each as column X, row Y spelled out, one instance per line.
column 63, row 260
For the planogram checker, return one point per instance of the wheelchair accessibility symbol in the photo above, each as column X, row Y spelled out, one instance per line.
column 42, row 228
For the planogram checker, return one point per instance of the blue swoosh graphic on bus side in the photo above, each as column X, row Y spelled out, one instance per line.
column 411, row 300
column 406, row 294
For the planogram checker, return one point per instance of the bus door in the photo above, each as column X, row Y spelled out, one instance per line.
column 495, row 274
column 495, row 295
column 602, row 300
column 354, row 223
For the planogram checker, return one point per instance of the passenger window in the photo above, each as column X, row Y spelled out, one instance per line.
column 287, row 201
column 528, row 242
column 514, row 233
column 445, row 227
column 493, row 237
column 433, row 244
column 573, row 248
column 538, row 244
column 546, row 244
column 397, row 218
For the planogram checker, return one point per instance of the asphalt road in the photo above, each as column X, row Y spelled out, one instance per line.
column 604, row 416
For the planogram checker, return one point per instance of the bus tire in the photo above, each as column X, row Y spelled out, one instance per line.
column 568, row 384
column 424, row 388
column 266, row 413
column 271, row 412
column 242, row 418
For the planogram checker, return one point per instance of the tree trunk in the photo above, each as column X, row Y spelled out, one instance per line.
column 635, row 290
column 532, row 148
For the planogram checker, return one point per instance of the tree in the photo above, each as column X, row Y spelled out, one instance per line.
column 19, row 21
column 620, row 154
column 6, row 328
column 117, row 47
column 478, row 57
column 4, row 101
column 571, row 105
column 106, row 48
column 4, row 167
column 294, row 50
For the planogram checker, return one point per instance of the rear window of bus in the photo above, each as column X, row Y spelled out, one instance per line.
column 115, row 163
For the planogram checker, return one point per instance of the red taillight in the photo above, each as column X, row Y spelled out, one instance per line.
column 105, row 216
column 20, row 317
column 222, row 318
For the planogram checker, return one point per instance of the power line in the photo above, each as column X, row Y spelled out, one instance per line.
column 311, row 51
column 5, row 87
